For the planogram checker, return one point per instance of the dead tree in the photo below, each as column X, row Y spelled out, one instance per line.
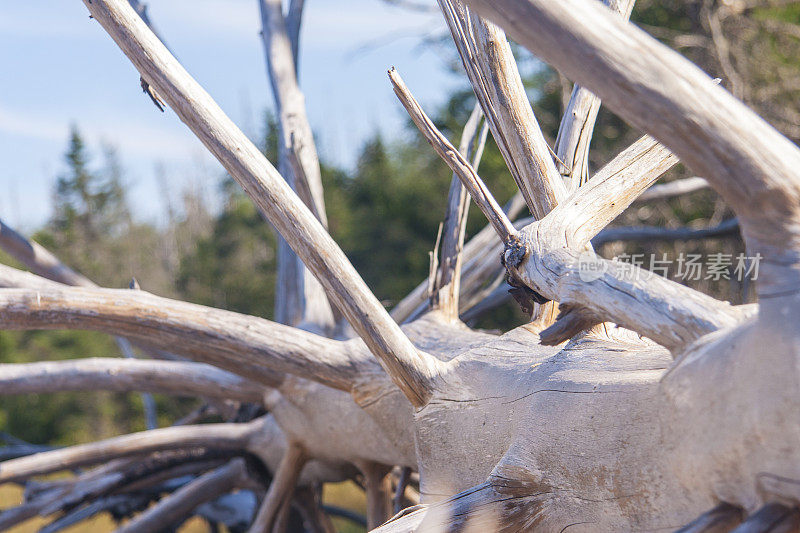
column 643, row 405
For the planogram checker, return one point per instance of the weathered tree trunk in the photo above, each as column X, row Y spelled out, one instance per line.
column 687, row 418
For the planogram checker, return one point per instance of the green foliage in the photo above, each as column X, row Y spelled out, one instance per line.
column 233, row 267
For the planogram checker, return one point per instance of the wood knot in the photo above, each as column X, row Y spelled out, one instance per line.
column 513, row 255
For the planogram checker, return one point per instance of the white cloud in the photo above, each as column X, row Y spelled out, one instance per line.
column 129, row 135
column 325, row 22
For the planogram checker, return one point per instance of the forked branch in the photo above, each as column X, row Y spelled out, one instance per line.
column 411, row 370
column 577, row 124
column 747, row 161
column 492, row 71
column 668, row 313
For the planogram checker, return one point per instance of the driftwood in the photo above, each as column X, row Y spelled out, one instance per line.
column 687, row 422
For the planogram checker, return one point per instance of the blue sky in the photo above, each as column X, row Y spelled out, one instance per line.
column 58, row 67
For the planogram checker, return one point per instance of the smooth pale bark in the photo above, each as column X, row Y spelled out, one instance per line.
column 611, row 435
column 252, row 347
column 12, row 278
column 38, row 259
column 492, row 71
column 671, row 314
column 411, row 370
column 300, row 298
column 47, row 265
column 751, row 165
column 122, row 375
column 683, row 450
column 447, row 282
column 610, row 191
column 577, row 123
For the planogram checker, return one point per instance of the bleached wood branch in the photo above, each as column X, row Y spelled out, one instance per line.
column 411, row 370
column 294, row 19
column 252, row 347
column 458, row 164
column 280, row 490
column 448, row 278
column 38, row 259
column 12, row 278
column 610, row 191
column 217, row 436
column 668, row 313
column 47, row 265
column 179, row 505
column 673, row 188
column 123, row 375
column 300, row 298
column 492, row 71
column 651, row 233
column 747, row 161
column 577, row 124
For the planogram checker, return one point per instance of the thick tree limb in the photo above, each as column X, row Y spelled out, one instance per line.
column 122, row 375
column 217, row 436
column 673, row 188
column 179, row 505
column 492, row 71
column 473, row 183
column 281, row 489
column 253, row 347
column 747, row 161
column 448, row 278
column 577, row 124
column 411, row 370
column 299, row 299
column 610, row 191
column 669, row 313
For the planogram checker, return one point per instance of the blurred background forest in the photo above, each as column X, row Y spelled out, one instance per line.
column 384, row 213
